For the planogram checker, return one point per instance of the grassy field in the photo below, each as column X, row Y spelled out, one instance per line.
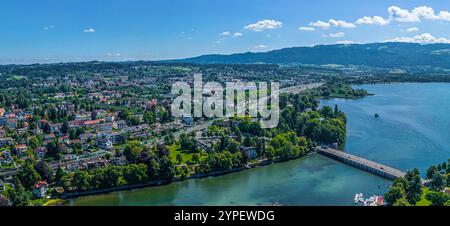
column 423, row 201
column 16, row 77
column 175, row 150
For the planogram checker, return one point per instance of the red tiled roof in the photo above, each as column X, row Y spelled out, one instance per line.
column 92, row 122
column 40, row 184
column 21, row 146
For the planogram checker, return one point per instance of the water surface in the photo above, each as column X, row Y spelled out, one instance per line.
column 413, row 131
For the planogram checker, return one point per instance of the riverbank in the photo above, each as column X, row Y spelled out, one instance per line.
column 313, row 180
column 260, row 163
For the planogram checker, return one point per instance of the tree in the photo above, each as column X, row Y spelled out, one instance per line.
column 336, row 110
column 44, row 171
column 414, row 186
column 401, row 202
column 327, row 112
column 19, row 196
column 149, row 117
column 395, row 193
column 167, row 170
column 437, row 198
column 59, row 176
column 81, row 180
column 135, row 174
column 438, row 182
column 65, row 127
column 179, row 158
column 431, row 171
column 28, row 175
column 195, row 157
column 133, row 151
column 153, row 168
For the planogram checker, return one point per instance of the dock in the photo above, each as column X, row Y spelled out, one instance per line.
column 361, row 163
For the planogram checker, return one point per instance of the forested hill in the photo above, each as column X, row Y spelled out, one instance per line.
column 384, row 55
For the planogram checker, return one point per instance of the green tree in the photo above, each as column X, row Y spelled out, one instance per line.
column 135, row 174
column 28, row 175
column 81, row 180
column 438, row 182
column 437, row 198
column 133, row 151
column 395, row 193
column 19, row 196
column 44, row 171
column 59, row 176
column 179, row 158
column 153, row 168
column 401, row 202
column 167, row 169
column 431, row 171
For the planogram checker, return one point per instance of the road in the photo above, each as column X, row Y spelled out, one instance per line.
column 203, row 126
column 185, row 130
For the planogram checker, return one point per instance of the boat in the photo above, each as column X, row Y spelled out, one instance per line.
column 375, row 200
column 358, row 198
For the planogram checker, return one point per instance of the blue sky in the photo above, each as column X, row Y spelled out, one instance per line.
column 114, row 30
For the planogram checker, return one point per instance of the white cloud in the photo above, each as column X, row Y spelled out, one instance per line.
column 320, row 24
column 237, row 34
column 331, row 23
column 306, row 28
column 264, row 25
column 89, row 30
column 417, row 14
column 345, row 42
column 113, row 54
column 377, row 20
column 225, row 33
column 335, row 35
column 259, row 47
column 341, row 23
column 412, row 29
column 425, row 38
column 48, row 27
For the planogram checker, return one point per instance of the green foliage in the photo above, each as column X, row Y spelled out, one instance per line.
column 133, row 151
column 401, row 202
column 438, row 198
column 221, row 161
column 19, row 196
column 28, row 175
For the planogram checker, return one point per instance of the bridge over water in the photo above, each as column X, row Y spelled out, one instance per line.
column 361, row 163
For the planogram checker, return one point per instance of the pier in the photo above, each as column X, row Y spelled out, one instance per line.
column 361, row 163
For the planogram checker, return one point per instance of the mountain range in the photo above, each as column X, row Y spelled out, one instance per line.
column 383, row 55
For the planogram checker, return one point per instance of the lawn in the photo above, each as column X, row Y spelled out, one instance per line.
column 175, row 150
column 423, row 201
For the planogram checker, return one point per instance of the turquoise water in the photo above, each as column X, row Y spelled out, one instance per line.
column 314, row 180
column 413, row 131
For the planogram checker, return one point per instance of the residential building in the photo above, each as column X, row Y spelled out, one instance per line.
column 40, row 189
column 250, row 152
column 119, row 124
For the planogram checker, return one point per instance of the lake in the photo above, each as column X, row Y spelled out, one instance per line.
column 413, row 130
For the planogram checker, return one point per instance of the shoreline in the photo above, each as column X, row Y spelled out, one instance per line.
column 72, row 195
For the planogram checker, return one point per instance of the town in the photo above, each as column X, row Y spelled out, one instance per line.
column 76, row 128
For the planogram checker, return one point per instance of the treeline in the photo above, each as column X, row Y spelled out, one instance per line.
column 410, row 191
column 324, row 126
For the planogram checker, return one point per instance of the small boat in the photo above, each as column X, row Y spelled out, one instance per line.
column 358, row 198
